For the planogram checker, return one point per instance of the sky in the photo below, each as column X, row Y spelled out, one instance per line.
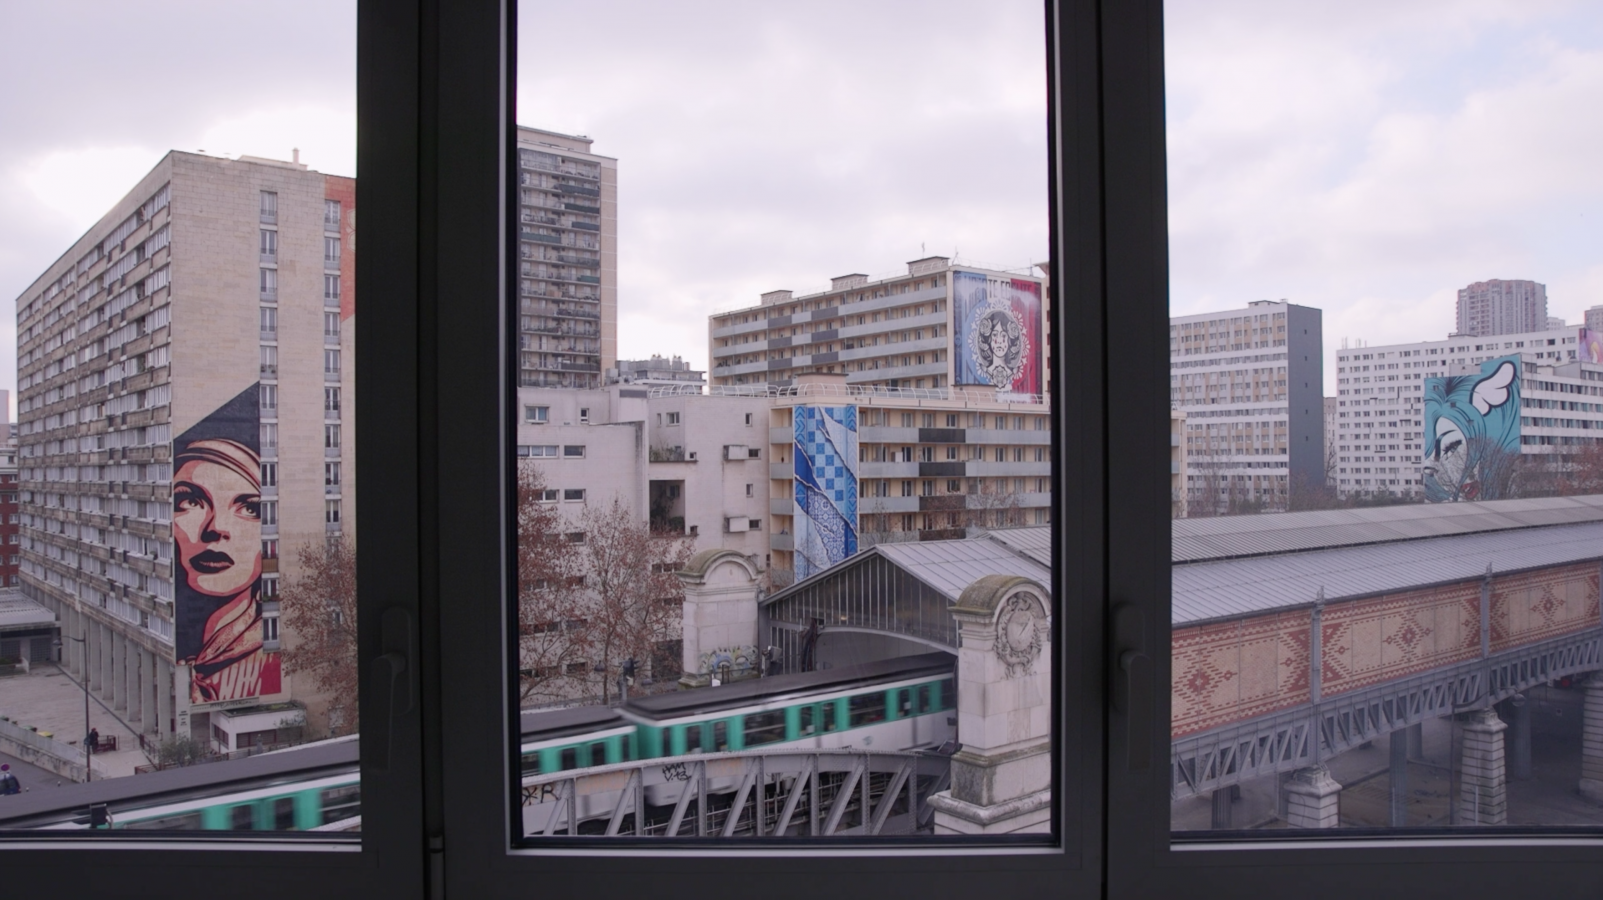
column 1367, row 158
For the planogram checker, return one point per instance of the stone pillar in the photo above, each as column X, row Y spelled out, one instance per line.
column 720, row 618
column 1519, row 746
column 1592, row 739
column 1313, row 798
column 94, row 647
column 1223, row 806
column 164, row 699
column 1002, row 778
column 135, row 692
column 1397, row 778
column 117, row 689
column 1483, row 784
column 147, row 693
column 1416, row 741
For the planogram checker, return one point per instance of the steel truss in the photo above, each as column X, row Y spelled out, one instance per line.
column 1295, row 738
column 780, row 793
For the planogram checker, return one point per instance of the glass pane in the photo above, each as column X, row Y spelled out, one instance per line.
column 177, row 590
column 1386, row 485
column 751, row 494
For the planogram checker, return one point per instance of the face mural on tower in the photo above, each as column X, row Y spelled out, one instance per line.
column 826, row 487
column 998, row 339
column 217, row 542
column 1472, row 432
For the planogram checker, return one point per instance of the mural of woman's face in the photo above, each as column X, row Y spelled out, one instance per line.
column 999, row 338
column 217, row 526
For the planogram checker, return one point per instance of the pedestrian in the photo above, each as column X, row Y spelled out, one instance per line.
column 94, row 740
column 8, row 781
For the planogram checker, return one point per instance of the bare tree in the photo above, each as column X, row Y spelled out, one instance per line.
column 554, row 646
column 1583, row 474
column 993, row 505
column 626, row 578
column 318, row 609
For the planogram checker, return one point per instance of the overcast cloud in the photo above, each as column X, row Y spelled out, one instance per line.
column 1364, row 157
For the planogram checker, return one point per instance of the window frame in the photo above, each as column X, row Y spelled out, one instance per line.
column 396, row 71
column 474, row 554
column 1141, row 859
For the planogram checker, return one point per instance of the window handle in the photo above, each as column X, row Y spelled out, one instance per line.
column 390, row 686
column 1133, row 686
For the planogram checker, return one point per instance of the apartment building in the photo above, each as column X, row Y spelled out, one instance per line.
column 1250, row 382
column 1178, row 469
column 185, row 387
column 1382, row 399
column 658, row 371
column 795, row 478
column 1494, row 307
column 938, row 325
column 568, row 261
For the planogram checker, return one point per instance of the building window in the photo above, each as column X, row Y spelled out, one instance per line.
column 331, row 400
column 331, row 362
column 331, row 252
column 269, row 282
column 754, row 525
column 573, row 494
column 331, row 289
column 331, row 325
column 331, row 437
column 748, row 490
column 537, row 415
column 331, row 475
column 573, row 451
column 673, row 418
column 269, row 432
column 331, row 215
column 270, row 549
column 269, row 397
column 269, row 512
column 584, row 415
column 269, row 320
column 269, row 474
column 748, row 418
column 269, row 356
column 331, row 512
column 549, row 495
column 269, row 245
column 269, row 210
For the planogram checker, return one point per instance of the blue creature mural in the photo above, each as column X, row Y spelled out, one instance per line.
column 1472, row 432
column 826, row 487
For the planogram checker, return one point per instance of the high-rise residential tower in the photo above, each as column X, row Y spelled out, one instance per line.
column 568, row 261
column 185, row 387
column 1502, row 307
column 1250, row 382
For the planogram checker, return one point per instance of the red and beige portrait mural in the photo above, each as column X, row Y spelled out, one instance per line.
column 217, row 544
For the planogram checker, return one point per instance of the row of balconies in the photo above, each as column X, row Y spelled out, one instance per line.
column 764, row 321
column 852, row 333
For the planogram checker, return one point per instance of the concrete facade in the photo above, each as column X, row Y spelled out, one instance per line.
column 192, row 290
column 1380, row 403
column 1251, row 383
column 568, row 265
column 1494, row 307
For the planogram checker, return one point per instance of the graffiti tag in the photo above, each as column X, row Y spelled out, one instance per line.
column 676, row 772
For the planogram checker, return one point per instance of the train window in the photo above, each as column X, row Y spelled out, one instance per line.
column 948, row 691
column 599, row 755
column 242, row 817
column 692, row 735
column 180, row 822
column 284, row 814
column 903, row 702
column 765, row 727
column 826, row 716
column 865, row 709
column 570, row 758
column 804, row 721
column 341, row 803
column 926, row 699
column 720, row 736
column 531, row 763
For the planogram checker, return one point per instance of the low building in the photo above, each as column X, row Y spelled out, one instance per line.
column 657, row 371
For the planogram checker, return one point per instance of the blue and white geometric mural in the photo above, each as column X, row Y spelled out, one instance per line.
column 826, row 487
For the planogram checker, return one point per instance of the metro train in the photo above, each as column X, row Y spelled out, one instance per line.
column 899, row 704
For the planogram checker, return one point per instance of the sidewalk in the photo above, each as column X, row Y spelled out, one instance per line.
column 50, row 700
